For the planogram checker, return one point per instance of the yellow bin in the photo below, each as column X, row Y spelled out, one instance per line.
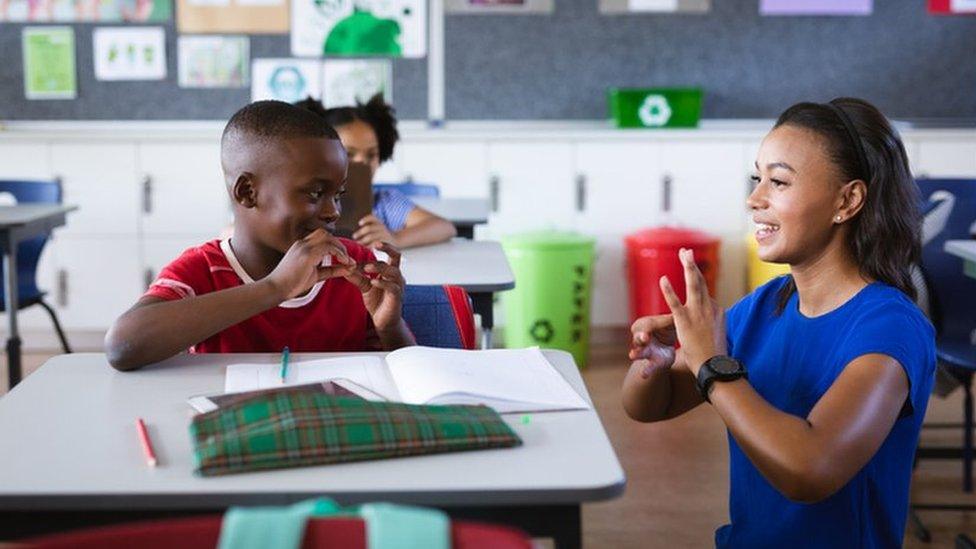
column 761, row 272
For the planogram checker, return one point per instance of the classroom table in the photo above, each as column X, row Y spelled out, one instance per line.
column 464, row 213
column 70, row 454
column 966, row 249
column 17, row 224
column 478, row 266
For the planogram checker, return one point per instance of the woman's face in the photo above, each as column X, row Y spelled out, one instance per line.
column 361, row 144
column 798, row 193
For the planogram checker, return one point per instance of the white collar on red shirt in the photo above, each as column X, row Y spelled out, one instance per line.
column 236, row 265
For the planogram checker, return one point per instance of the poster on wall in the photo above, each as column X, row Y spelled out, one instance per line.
column 536, row 7
column 97, row 11
column 213, row 61
column 129, row 53
column 358, row 28
column 347, row 81
column 952, row 7
column 816, row 7
column 288, row 80
column 232, row 16
column 655, row 6
column 49, row 63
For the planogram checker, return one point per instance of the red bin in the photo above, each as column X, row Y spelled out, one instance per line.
column 653, row 253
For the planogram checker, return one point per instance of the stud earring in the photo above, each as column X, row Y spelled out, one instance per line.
column 837, row 219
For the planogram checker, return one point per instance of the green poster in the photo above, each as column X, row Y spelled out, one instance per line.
column 49, row 63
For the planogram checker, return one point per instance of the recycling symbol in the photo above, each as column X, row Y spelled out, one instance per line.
column 541, row 331
column 655, row 111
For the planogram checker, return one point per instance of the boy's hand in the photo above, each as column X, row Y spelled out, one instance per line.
column 301, row 267
column 372, row 233
column 653, row 342
column 382, row 286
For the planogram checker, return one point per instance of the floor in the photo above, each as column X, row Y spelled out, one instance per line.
column 677, row 478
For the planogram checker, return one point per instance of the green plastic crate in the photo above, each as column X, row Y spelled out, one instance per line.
column 655, row 107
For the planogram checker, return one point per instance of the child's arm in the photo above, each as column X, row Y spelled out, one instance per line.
column 424, row 227
column 156, row 329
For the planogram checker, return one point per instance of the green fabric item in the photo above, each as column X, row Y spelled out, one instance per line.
column 294, row 428
column 388, row 526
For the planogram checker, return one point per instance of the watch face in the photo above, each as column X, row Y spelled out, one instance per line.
column 725, row 365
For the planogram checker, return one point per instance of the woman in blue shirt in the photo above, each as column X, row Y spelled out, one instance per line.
column 369, row 133
column 822, row 376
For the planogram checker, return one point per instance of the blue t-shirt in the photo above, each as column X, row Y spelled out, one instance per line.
column 392, row 207
column 792, row 360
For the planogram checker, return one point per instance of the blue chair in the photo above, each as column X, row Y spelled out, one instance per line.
column 439, row 316
column 952, row 309
column 410, row 188
column 29, row 251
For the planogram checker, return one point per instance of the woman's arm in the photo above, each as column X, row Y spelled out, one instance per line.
column 423, row 227
column 655, row 393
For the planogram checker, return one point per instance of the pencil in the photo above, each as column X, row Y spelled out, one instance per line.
column 284, row 363
column 146, row 443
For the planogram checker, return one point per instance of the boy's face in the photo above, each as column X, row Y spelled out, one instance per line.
column 297, row 185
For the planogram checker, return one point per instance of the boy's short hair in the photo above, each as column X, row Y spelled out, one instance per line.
column 276, row 119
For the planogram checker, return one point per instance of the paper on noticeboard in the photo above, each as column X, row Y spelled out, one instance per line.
column 49, row 63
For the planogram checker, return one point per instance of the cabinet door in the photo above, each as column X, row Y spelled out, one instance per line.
column 709, row 193
column 609, row 302
column 99, row 279
column 940, row 157
column 617, row 186
column 533, row 184
column 24, row 160
column 459, row 169
column 185, row 192
column 160, row 252
column 101, row 180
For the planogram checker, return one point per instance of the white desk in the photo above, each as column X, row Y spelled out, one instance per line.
column 69, row 444
column 464, row 213
column 966, row 249
column 478, row 266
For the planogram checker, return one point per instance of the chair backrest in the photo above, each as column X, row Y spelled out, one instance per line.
column 203, row 532
column 29, row 251
column 410, row 188
column 439, row 316
column 951, row 293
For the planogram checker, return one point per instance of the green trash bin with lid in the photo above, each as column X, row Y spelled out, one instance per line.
column 550, row 305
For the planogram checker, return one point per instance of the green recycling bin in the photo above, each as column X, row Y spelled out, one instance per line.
column 550, row 305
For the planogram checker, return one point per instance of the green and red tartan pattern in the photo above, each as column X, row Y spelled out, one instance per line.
column 298, row 428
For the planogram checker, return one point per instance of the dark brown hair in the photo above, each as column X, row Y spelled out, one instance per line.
column 885, row 234
column 376, row 113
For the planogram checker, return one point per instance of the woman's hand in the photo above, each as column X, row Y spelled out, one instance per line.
column 699, row 322
column 652, row 346
column 382, row 287
column 372, row 233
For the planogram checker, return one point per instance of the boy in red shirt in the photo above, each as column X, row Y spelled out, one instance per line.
column 283, row 279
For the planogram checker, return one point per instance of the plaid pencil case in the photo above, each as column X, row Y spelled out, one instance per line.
column 287, row 428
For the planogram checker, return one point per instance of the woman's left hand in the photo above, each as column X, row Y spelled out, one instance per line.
column 699, row 322
column 382, row 287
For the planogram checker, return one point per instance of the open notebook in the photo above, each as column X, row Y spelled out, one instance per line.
column 508, row 380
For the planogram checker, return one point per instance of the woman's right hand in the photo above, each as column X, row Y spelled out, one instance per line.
column 301, row 267
column 653, row 342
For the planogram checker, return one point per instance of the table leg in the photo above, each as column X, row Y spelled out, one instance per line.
column 465, row 231
column 483, row 306
column 10, row 299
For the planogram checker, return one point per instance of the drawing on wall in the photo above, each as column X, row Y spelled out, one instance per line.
column 232, row 16
column 816, row 7
column 213, row 61
column 68, row 11
column 288, row 80
column 655, row 6
column 49, row 63
column 356, row 28
column 346, row 81
column 949, row 7
column 500, row 6
column 130, row 53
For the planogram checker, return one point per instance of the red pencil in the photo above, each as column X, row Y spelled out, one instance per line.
column 146, row 443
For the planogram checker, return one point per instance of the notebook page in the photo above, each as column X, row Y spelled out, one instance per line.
column 513, row 376
column 368, row 371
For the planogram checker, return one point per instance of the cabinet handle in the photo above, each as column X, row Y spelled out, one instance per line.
column 62, row 288
column 60, row 183
column 148, row 277
column 580, row 192
column 147, row 194
column 494, row 191
column 666, row 192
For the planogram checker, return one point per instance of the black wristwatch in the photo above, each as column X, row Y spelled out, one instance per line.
column 719, row 368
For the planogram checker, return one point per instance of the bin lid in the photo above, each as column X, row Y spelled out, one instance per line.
column 548, row 240
column 670, row 236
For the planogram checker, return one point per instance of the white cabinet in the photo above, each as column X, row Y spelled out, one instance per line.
column 459, row 169
column 99, row 279
column 621, row 189
column 30, row 160
column 532, row 183
column 101, row 180
column 942, row 157
column 183, row 189
column 160, row 252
